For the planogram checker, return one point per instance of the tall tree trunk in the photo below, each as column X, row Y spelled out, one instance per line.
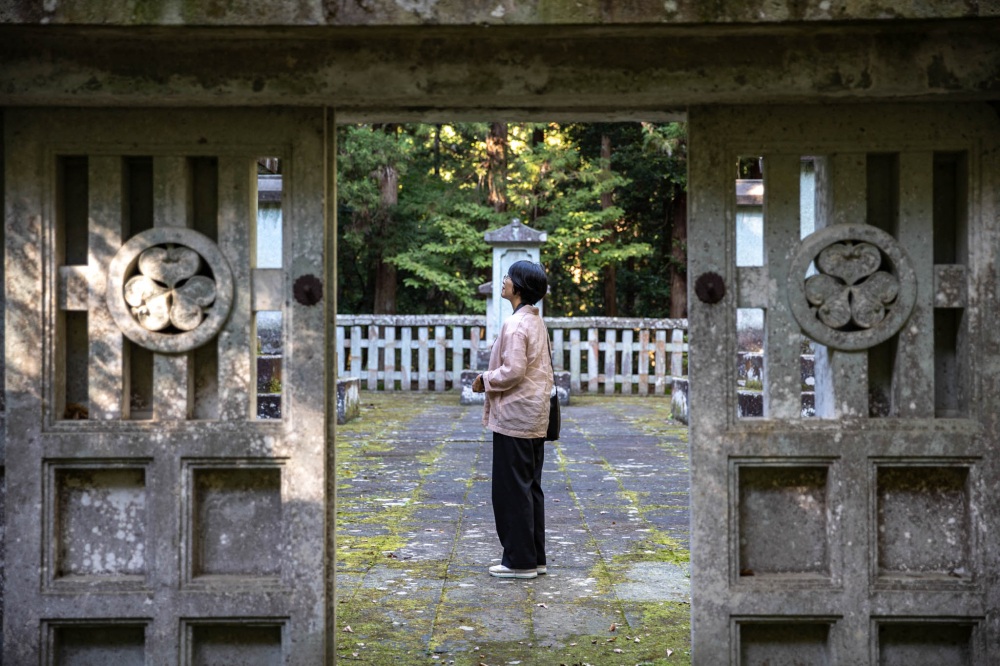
column 385, row 288
column 678, row 256
column 437, row 150
column 538, row 139
column 496, row 168
column 610, row 271
column 385, row 273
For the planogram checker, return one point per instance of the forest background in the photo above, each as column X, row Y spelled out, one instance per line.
column 414, row 201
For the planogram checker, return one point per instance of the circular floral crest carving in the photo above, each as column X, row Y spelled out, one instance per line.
column 169, row 289
column 863, row 290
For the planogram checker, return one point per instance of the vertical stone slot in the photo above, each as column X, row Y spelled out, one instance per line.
column 251, row 643
column 782, row 521
column 270, row 352
column 138, row 192
column 950, row 247
column 268, row 325
column 749, row 213
column 750, row 360
column 807, row 225
column 766, row 644
column 882, row 211
column 72, row 200
column 923, row 523
column 72, row 193
column 76, row 360
column 88, row 645
column 204, row 218
column 100, row 524
column 236, row 526
column 950, row 400
column 269, row 241
column 138, row 186
column 924, row 644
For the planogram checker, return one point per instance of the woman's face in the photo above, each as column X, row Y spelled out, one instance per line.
column 507, row 291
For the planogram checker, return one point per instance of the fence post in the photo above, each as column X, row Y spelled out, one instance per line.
column 406, row 358
column 423, row 364
column 644, row 361
column 457, row 354
column 574, row 360
column 372, row 358
column 677, row 353
column 389, row 360
column 610, row 369
column 593, row 350
column 341, row 352
column 626, row 365
column 557, row 349
column 440, row 356
column 660, row 358
column 356, row 351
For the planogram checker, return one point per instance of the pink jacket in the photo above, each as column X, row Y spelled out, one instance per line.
column 519, row 380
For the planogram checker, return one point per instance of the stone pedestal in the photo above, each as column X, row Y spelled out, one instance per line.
column 348, row 399
column 468, row 397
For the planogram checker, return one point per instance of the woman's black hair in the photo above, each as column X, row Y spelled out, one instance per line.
column 528, row 280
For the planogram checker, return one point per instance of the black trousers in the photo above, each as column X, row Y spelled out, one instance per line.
column 518, row 500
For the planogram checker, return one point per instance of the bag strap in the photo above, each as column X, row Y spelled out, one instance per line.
column 551, row 364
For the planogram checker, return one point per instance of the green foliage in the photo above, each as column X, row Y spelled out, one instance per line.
column 555, row 182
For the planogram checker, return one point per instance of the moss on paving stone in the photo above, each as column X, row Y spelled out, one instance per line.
column 404, row 612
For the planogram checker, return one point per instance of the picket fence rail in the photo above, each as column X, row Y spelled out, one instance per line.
column 430, row 352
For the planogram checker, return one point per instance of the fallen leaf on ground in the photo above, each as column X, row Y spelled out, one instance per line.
column 348, row 629
column 669, row 652
column 614, row 626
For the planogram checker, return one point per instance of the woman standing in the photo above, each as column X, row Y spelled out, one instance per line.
column 518, row 385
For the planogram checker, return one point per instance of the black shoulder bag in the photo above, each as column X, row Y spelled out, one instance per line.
column 555, row 418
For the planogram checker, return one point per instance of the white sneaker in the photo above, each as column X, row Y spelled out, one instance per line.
column 500, row 571
column 541, row 569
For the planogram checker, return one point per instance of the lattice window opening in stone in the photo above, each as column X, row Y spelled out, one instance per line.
column 269, row 364
column 750, row 361
column 775, row 208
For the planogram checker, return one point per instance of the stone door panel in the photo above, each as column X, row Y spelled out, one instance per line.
column 860, row 534
column 153, row 518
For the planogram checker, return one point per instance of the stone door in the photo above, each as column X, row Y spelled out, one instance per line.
column 867, row 532
column 152, row 516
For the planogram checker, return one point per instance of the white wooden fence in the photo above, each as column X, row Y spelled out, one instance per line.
column 430, row 352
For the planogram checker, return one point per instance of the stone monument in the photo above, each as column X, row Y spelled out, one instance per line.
column 511, row 243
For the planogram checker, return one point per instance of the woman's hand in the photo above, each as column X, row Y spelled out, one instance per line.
column 477, row 385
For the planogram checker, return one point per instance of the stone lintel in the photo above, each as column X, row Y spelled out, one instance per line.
column 642, row 72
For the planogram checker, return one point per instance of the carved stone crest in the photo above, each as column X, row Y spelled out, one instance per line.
column 169, row 289
column 862, row 291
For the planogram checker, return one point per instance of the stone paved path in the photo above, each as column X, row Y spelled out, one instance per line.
column 415, row 536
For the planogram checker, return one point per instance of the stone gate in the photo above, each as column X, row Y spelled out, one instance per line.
column 176, row 528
